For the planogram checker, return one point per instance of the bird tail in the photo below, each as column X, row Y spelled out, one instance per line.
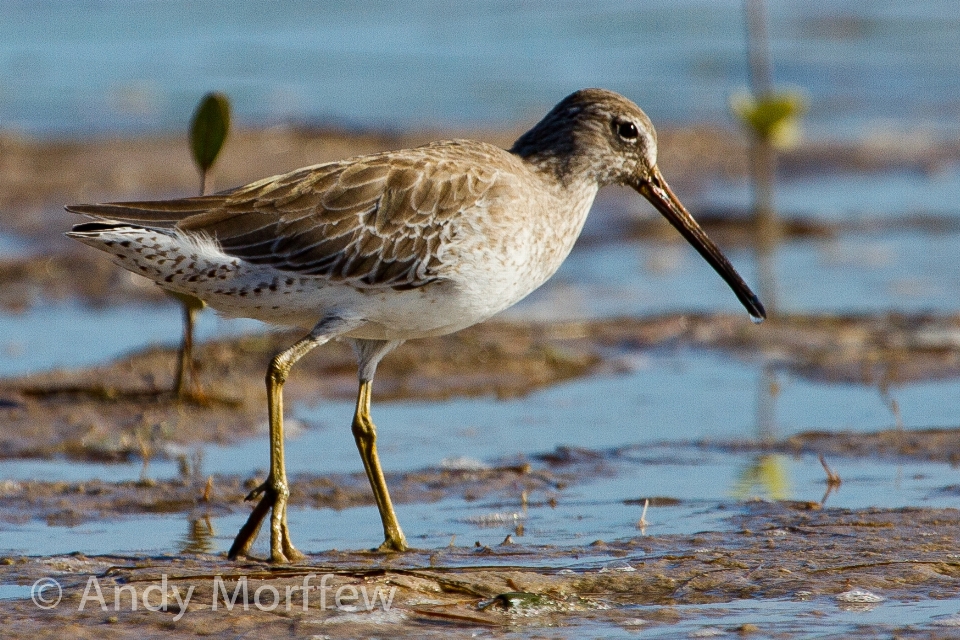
column 153, row 253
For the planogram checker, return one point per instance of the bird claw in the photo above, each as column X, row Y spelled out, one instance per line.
column 258, row 491
column 272, row 498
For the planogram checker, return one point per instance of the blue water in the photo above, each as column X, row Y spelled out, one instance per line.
column 710, row 488
column 113, row 65
column 821, row 617
column 886, row 196
column 70, row 335
column 910, row 271
column 13, row 246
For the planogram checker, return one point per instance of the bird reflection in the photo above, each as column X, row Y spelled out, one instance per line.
column 766, row 475
column 199, row 536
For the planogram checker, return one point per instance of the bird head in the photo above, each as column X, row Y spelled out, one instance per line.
column 602, row 138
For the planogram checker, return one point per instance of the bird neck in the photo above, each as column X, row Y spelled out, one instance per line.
column 555, row 155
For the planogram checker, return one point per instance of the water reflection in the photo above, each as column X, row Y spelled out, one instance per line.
column 833, row 480
column 766, row 475
column 768, row 388
column 199, row 537
column 766, row 472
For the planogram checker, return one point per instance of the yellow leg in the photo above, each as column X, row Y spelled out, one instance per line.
column 365, row 433
column 275, row 491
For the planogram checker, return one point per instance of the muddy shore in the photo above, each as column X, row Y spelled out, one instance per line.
column 831, row 559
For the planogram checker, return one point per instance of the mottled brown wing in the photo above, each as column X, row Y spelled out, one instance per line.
column 376, row 221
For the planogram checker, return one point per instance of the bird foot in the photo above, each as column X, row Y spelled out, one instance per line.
column 258, row 491
column 394, row 543
column 272, row 498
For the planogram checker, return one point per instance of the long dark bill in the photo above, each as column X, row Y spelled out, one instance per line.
column 656, row 190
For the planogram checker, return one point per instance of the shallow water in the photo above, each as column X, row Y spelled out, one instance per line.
column 873, row 69
column 909, row 270
column 12, row 246
column 708, row 487
column 658, row 401
column 71, row 335
column 668, row 400
column 887, row 196
column 821, row 615
column 872, row 265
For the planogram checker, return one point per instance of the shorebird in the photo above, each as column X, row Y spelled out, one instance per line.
column 389, row 247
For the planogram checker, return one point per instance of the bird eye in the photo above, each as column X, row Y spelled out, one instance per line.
column 627, row 131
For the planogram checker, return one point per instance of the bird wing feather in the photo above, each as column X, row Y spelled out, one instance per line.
column 373, row 221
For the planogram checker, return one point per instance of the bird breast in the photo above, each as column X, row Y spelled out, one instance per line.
column 511, row 245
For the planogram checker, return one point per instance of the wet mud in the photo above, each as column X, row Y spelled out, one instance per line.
column 833, row 559
column 198, row 495
column 123, row 410
column 932, row 445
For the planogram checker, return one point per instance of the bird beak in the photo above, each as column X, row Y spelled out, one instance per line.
column 655, row 189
